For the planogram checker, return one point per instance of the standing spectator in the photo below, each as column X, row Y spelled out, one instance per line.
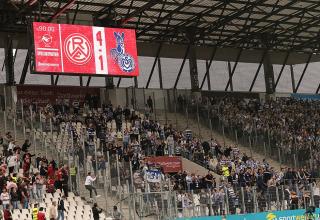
column 24, row 195
column 61, row 209
column 96, row 211
column 7, row 213
column 73, row 175
column 53, row 211
column 12, row 161
column 26, row 145
column 5, row 198
column 150, row 104
column 35, row 212
column 14, row 198
column 170, row 144
column 64, row 180
column 89, row 184
column 39, row 181
column 41, row 214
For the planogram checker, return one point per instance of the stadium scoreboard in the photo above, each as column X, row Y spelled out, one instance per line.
column 84, row 50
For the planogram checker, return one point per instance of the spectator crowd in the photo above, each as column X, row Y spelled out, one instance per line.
column 235, row 182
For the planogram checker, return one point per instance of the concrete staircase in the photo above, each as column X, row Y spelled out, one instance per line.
column 107, row 198
column 179, row 121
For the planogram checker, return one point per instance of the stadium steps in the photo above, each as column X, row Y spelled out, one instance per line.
column 205, row 134
column 105, row 204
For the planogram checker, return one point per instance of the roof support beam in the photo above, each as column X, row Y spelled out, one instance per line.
column 258, row 70
column 9, row 65
column 303, row 72
column 186, row 2
column 25, row 67
column 52, row 79
column 89, row 80
column 154, row 65
column 208, row 67
column 216, row 25
column 233, row 70
column 80, row 80
column 160, row 73
column 181, row 67
column 282, row 68
column 135, row 79
column 62, row 10
column 292, row 2
column 318, row 89
column 56, row 81
column 293, row 83
column 193, row 18
column 230, row 77
column 138, row 11
column 119, row 81
column 208, row 76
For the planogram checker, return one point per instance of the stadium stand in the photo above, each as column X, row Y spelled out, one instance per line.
column 111, row 144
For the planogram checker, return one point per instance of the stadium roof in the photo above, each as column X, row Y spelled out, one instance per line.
column 281, row 26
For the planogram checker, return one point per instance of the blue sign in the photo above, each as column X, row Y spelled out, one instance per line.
column 298, row 214
column 305, row 96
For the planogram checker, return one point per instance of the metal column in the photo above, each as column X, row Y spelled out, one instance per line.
column 9, row 62
column 230, row 76
column 268, row 75
column 292, row 79
column 193, row 67
column 208, row 76
column 160, row 73
column 233, row 69
column 303, row 72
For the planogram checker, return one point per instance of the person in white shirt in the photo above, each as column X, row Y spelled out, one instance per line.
column 12, row 162
column 89, row 184
column 11, row 145
column 170, row 145
column 5, row 198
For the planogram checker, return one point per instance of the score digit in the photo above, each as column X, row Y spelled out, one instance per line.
column 101, row 62
column 98, row 36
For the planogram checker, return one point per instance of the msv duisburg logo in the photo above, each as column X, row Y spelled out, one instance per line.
column 125, row 61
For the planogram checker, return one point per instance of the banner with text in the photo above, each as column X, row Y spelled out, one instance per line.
column 168, row 164
column 43, row 95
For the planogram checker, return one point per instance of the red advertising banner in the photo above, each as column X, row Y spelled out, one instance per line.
column 169, row 164
column 85, row 50
column 43, row 95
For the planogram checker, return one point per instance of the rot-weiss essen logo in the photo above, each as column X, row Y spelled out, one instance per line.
column 78, row 49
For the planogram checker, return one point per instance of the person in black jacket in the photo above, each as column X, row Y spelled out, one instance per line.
column 64, row 181
column 96, row 211
column 26, row 145
column 61, row 209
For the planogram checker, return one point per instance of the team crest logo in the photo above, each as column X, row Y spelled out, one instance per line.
column 47, row 40
column 125, row 61
column 78, row 49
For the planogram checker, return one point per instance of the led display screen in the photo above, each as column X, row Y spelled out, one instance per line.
column 84, row 50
